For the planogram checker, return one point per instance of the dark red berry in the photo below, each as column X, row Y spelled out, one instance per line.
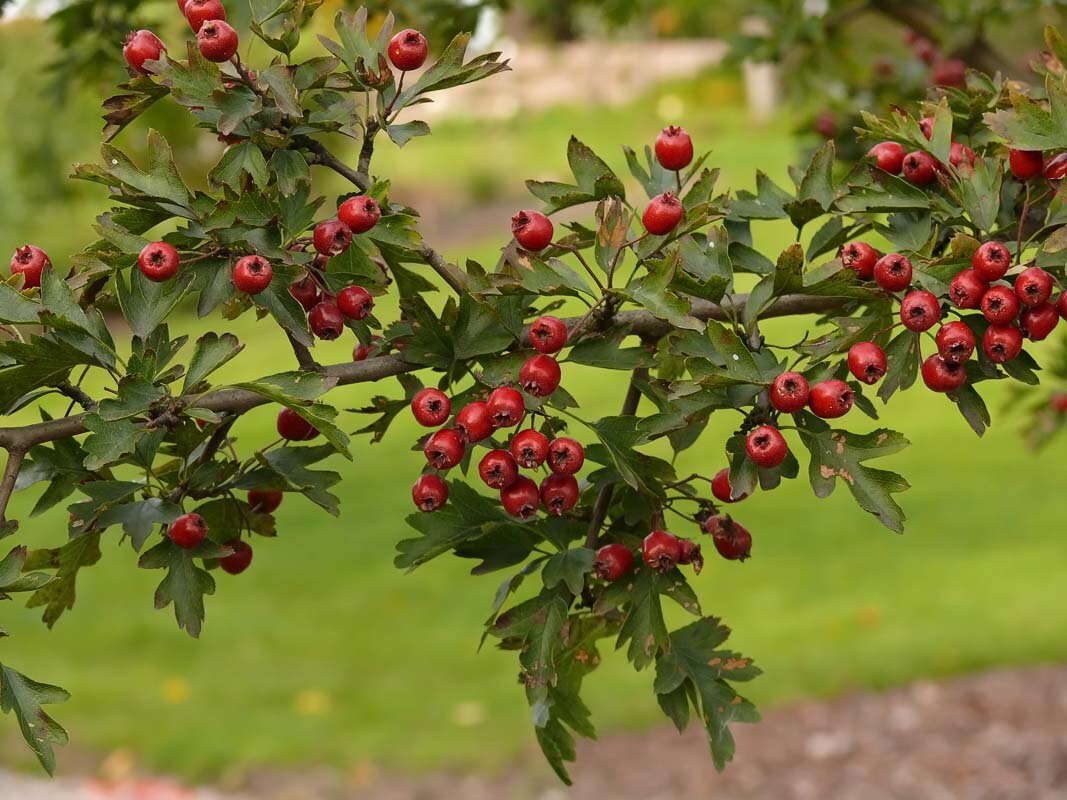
column 920, row 311
column 565, row 456
column 360, row 214
column 1061, row 305
column 431, row 407
column 506, row 407
column 859, row 257
column 723, row 491
column 888, row 156
column 1026, row 164
column 532, row 230
column 521, row 498
column 674, row 148
column 474, row 422
column 831, row 399
column 326, row 321
column 217, row 41
column 1038, row 322
column 200, row 11
column 29, row 261
column 444, row 449
column 893, row 272
column 241, row 557
column 691, row 555
column 960, row 154
column 159, row 262
column 766, row 447
column 307, row 292
column 1033, row 286
column 867, row 362
column 265, row 501
column 950, row 72
column 498, row 469
column 332, row 237
column 991, row 261
column 663, row 214
column 361, row 352
column 825, row 124
column 967, row 289
column 789, row 392
column 559, row 494
column 661, row 551
column 612, row 562
column 955, row 342
column 1002, row 343
column 408, row 50
column 294, row 428
column 355, row 302
column 529, row 448
column 920, row 168
column 430, row 493
column 1058, row 402
column 943, row 376
column 142, row 46
column 1000, row 305
column 188, row 531
column 926, row 125
column 548, row 334
column 252, row 274
column 1056, row 167
column 731, row 539
column 540, row 375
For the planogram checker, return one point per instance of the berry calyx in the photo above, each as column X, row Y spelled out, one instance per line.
column 859, row 257
column 431, row 407
column 1038, row 322
column 355, row 302
column 789, row 392
column 991, row 261
column 332, row 237
column 29, row 261
column 360, row 214
column 548, row 334
column 506, row 407
column 920, row 311
column 831, row 399
column 1026, row 164
column 691, row 555
column 444, row 449
column 1002, row 343
column 967, row 289
column 265, row 501
column 197, row 12
column 612, row 562
column 252, row 274
column 867, row 362
column 408, row 50
column 540, row 375
column 1000, row 305
column 1056, row 167
column 559, row 494
column 1033, row 286
column 674, row 148
column 430, row 493
column 888, row 156
column 294, row 428
column 474, row 423
column 307, row 292
column 731, row 539
column 565, row 456
column 943, row 376
column 529, row 448
column 326, row 321
column 662, row 214
column 920, row 168
column 955, row 342
column 188, row 531
column 241, row 557
column 521, row 498
column 142, row 46
column 722, row 490
column 766, row 447
column 893, row 272
column 217, row 41
column 159, row 262
column 661, row 551
column 532, row 230
column 498, row 469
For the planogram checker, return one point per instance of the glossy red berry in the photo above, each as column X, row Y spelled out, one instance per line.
column 252, row 274
column 867, row 362
column 360, row 214
column 859, row 257
column 1056, row 167
column 888, row 156
column 559, row 494
column 430, row 493
column 674, row 148
column 1033, row 286
column 307, row 292
column 444, row 449
column 967, row 289
column 612, row 562
column 991, row 261
column 920, row 168
column 766, row 447
column 355, row 302
column 188, row 531
column 332, row 237
column 893, row 272
column 955, row 342
column 474, row 422
column 691, row 554
column 265, row 501
column 326, row 321
column 294, row 428
column 961, row 154
column 943, row 376
column 217, row 41
column 540, row 375
column 662, row 214
column 789, row 392
column 522, row 498
column 142, row 46
column 197, row 12
column 408, row 50
column 1000, row 305
column 565, row 456
column 1038, row 322
column 831, row 399
column 30, row 261
column 1002, row 343
column 1061, row 305
column 529, row 448
column 506, row 407
column 1026, row 164
column 159, row 262
column 920, row 311
column 661, row 551
column 239, row 560
column 548, row 334
column 949, row 72
column 498, row 469
column 722, row 490
column 532, row 230
column 731, row 539
column 431, row 407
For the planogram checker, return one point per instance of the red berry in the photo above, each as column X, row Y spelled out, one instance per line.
column 431, row 407
column 920, row 168
column 825, row 124
column 732, row 540
column 332, row 237
column 1061, row 305
column 361, row 351
column 498, row 469
column 674, row 148
column 444, row 449
column 548, row 334
column 408, row 50
column 1056, row 167
column 474, row 422
column 991, row 261
column 789, row 392
column 723, row 491
column 29, row 261
column 217, row 41
column 1058, row 402
column 521, row 498
column 1033, row 286
column 950, row 72
column 188, row 531
column 927, row 51
column 1000, row 305
column 355, row 302
column 159, row 262
column 663, row 214
column 532, row 230
column 893, row 272
column 612, row 562
column 943, row 376
column 506, row 407
column 540, row 375
column 326, row 321
column 265, row 501
column 926, row 125
column 142, row 46
column 294, row 428
column 429, row 493
column 859, row 257
column 1002, row 343
column 867, row 362
column 360, row 214
column 766, row 447
column 565, row 456
column 559, row 494
column 200, row 11
column 955, row 342
column 241, row 557
column 1026, row 164
column 252, row 274
column 529, row 448
column 307, row 292
column 831, row 399
column 960, row 154
column 1038, row 322
column 920, row 311
column 967, row 289
column 691, row 555
column 661, row 551
column 888, row 156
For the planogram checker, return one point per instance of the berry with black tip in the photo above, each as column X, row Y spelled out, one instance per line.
column 430, row 493
column 360, row 214
column 766, row 447
column 661, row 550
column 355, row 302
column 920, row 168
column 431, row 407
column 920, row 311
column 408, row 50
column 506, row 407
column 1038, row 322
column 444, row 449
column 188, row 531
column 239, row 560
column 867, row 362
column 565, row 456
column 548, row 334
column 30, row 261
column 294, row 428
column 522, row 498
column 217, row 41
column 142, row 46
column 831, row 399
column 888, row 156
column 789, row 392
column 1033, row 286
column 955, row 342
column 859, row 257
column 1002, row 343
column 474, row 422
column 612, row 562
column 1026, row 164
column 159, row 262
column 326, row 321
column 722, row 490
column 1000, row 305
column 307, row 292
column 529, row 448
column 967, row 289
column 674, row 148
column 731, row 539
column 252, row 274
column 498, row 469
column 559, row 494
column 197, row 12
column 540, row 375
column 532, row 230
column 663, row 214
column 332, row 237
column 893, row 272
column 943, row 376
column 265, row 501
column 991, row 261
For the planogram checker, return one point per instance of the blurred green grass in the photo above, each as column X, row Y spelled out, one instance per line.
column 323, row 652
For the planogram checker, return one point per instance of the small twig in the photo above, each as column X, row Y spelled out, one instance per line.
column 7, row 484
column 76, row 394
column 304, row 358
column 581, row 260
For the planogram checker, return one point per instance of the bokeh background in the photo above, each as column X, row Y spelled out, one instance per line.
column 323, row 654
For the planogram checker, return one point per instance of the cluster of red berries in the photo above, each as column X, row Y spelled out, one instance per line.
column 919, row 167
column 528, row 449
column 216, row 38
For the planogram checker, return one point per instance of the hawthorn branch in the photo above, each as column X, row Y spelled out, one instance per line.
column 322, row 156
column 304, row 358
column 7, row 483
